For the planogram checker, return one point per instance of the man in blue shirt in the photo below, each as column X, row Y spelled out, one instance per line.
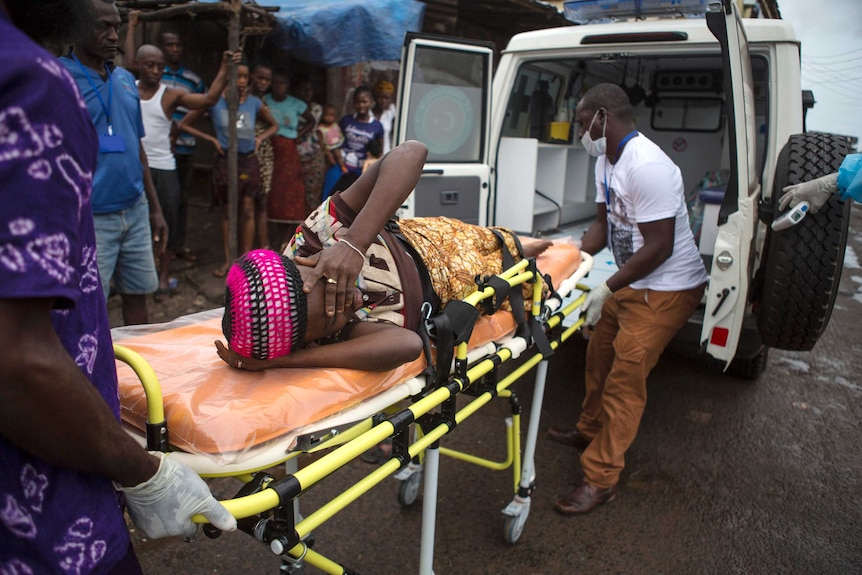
column 129, row 220
column 179, row 77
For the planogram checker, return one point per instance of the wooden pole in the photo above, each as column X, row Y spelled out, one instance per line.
column 232, row 106
column 180, row 9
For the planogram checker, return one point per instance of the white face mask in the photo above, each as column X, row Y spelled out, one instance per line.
column 595, row 148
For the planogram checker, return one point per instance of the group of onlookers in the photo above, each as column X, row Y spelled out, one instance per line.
column 291, row 151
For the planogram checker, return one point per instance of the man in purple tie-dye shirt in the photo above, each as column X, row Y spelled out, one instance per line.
column 63, row 455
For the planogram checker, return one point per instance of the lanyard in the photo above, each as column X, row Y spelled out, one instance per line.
column 106, row 109
column 629, row 136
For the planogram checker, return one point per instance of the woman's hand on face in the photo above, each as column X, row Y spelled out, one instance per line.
column 340, row 265
column 234, row 359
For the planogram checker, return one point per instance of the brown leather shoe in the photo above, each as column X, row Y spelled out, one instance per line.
column 584, row 499
column 571, row 437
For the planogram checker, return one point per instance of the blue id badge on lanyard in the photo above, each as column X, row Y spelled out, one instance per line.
column 111, row 144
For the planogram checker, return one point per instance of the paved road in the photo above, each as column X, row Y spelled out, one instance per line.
column 726, row 476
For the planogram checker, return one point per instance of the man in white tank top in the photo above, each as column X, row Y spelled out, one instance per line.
column 158, row 103
column 632, row 316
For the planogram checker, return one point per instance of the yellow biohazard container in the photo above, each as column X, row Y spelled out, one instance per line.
column 559, row 131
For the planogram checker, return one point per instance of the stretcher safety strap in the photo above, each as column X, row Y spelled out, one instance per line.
column 453, row 326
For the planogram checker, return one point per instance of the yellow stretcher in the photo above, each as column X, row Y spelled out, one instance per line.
column 224, row 422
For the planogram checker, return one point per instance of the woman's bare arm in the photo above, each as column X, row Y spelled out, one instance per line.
column 375, row 197
column 308, row 125
column 187, row 127
column 195, row 101
column 268, row 118
column 370, row 347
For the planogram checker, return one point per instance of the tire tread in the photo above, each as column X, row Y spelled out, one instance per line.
column 804, row 262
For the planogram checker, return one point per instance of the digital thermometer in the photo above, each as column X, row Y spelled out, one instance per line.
column 792, row 217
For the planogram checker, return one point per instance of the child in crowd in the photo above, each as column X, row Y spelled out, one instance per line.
column 332, row 139
column 385, row 110
column 363, row 136
column 250, row 108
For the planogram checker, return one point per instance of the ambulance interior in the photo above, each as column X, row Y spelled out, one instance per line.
column 679, row 103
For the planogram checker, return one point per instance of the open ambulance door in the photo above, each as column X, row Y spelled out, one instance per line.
column 727, row 294
column 444, row 101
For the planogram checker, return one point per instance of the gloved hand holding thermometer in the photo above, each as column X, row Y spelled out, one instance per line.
column 802, row 198
column 847, row 182
column 816, row 192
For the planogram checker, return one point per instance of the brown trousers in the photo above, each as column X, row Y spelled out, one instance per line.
column 635, row 327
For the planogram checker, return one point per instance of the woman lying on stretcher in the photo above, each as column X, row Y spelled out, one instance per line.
column 351, row 277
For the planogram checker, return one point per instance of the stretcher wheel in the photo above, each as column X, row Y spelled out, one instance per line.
column 408, row 490
column 291, row 568
column 513, row 526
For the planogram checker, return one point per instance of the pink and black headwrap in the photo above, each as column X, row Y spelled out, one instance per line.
column 265, row 309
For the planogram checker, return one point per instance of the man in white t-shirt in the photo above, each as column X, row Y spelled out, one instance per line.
column 642, row 218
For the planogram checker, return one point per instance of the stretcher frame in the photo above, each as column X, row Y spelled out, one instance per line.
column 267, row 508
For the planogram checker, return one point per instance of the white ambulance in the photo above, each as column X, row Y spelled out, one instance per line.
column 720, row 94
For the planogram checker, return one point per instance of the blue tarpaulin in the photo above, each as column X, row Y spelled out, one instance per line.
column 344, row 32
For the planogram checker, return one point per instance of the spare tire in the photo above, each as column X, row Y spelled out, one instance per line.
column 803, row 263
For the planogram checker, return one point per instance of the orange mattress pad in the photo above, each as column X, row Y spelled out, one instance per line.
column 214, row 409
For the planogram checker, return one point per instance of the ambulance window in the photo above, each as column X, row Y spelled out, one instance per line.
column 447, row 107
column 535, row 100
column 687, row 114
column 760, row 76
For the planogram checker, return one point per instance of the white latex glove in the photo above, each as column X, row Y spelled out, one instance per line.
column 594, row 303
column 163, row 505
column 816, row 192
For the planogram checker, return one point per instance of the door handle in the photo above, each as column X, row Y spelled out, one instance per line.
column 723, row 295
column 448, row 198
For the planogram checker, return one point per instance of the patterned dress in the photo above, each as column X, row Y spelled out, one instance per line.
column 455, row 253
column 313, row 160
column 266, row 159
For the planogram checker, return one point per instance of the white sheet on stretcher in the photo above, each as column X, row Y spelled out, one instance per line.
column 234, row 416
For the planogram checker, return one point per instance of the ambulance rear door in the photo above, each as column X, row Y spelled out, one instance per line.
column 444, row 101
column 732, row 264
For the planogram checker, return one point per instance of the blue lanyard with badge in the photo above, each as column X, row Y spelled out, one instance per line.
column 629, row 136
column 109, row 143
